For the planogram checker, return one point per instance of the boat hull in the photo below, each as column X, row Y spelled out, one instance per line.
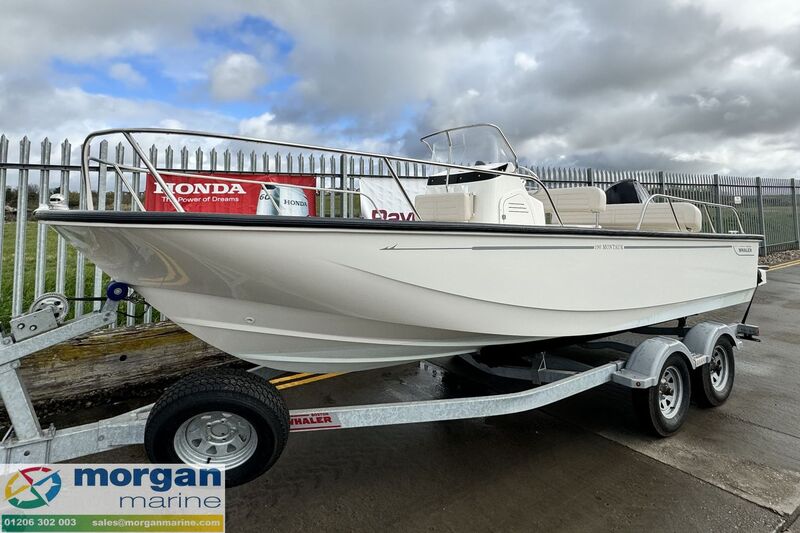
column 339, row 297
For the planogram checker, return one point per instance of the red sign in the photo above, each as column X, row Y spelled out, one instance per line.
column 204, row 194
column 313, row 422
column 383, row 214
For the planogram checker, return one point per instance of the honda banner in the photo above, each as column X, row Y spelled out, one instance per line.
column 204, row 194
column 390, row 204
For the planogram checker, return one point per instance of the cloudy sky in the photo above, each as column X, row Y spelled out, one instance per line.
column 690, row 85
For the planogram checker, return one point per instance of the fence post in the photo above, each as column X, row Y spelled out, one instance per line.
column 80, row 263
column 102, row 188
column 41, row 229
column 761, row 222
column 718, row 200
column 661, row 186
column 322, row 181
column 22, row 226
column 345, row 197
column 3, row 159
column 332, row 194
column 794, row 213
column 590, row 177
column 61, row 250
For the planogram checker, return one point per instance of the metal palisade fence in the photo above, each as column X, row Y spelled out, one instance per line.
column 35, row 260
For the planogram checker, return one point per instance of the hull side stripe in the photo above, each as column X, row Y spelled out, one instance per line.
column 504, row 248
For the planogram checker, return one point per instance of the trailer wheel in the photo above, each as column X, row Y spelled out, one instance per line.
column 230, row 418
column 713, row 382
column 663, row 407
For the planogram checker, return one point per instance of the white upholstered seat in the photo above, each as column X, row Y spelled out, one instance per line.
column 587, row 206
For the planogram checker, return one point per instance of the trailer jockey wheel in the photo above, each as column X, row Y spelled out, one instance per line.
column 229, row 418
column 713, row 382
column 663, row 407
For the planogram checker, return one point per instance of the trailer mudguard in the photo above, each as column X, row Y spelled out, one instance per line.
column 702, row 338
column 644, row 364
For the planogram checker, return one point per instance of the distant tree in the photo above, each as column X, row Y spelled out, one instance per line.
column 33, row 196
column 11, row 197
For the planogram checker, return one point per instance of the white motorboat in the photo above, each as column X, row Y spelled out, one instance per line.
column 494, row 258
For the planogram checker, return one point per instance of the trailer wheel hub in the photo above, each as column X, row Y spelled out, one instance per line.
column 215, row 437
column 670, row 392
column 718, row 368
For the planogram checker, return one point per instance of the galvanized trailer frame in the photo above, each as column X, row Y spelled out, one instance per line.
column 27, row 442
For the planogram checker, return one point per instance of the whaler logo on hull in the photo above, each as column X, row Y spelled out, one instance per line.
column 313, row 421
column 746, row 249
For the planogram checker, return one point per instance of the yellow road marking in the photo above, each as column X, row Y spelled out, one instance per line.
column 309, row 380
column 289, row 378
column 784, row 265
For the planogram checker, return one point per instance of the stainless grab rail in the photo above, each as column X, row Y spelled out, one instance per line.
column 128, row 133
column 152, row 169
column 396, row 179
column 123, row 179
column 547, row 192
column 670, row 198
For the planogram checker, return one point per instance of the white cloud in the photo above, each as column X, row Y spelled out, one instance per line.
column 126, row 74
column 266, row 127
column 236, row 77
column 587, row 80
column 35, row 32
column 45, row 111
column 525, row 62
column 763, row 14
column 172, row 124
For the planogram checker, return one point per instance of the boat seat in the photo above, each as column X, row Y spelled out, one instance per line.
column 573, row 200
column 658, row 217
column 587, row 206
column 446, row 207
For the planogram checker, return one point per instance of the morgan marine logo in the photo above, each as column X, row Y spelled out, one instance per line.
column 33, row 487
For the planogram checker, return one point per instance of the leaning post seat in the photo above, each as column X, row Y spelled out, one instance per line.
column 446, row 207
column 583, row 203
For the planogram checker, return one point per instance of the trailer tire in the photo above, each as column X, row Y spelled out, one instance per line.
column 221, row 417
column 662, row 408
column 713, row 382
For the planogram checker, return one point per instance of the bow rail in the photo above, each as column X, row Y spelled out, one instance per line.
column 129, row 135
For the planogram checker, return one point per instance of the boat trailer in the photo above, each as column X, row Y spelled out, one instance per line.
column 662, row 371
